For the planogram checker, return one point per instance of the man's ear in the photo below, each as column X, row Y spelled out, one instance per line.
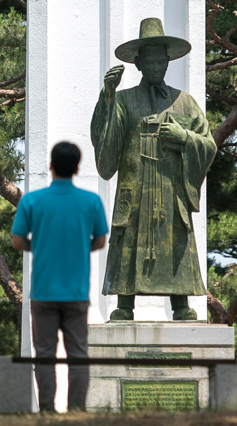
column 137, row 62
column 50, row 165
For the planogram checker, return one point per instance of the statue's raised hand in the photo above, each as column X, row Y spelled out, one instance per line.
column 112, row 80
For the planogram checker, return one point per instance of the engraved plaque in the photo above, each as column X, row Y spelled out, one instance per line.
column 161, row 355
column 166, row 396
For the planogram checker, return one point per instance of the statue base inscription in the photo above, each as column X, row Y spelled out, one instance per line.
column 166, row 396
column 163, row 355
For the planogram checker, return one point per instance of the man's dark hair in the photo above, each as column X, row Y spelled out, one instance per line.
column 65, row 158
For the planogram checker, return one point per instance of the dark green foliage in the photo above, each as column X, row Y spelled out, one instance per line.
column 6, row 4
column 222, row 177
column 222, row 284
column 9, row 333
column 9, row 336
column 222, row 80
column 222, row 185
column 12, row 257
column 12, row 130
column 225, row 20
column 12, row 116
column 222, row 234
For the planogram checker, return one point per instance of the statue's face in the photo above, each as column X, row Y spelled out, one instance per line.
column 153, row 63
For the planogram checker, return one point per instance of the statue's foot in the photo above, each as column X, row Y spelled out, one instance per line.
column 121, row 315
column 184, row 314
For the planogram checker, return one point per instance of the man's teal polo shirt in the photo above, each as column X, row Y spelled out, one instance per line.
column 62, row 220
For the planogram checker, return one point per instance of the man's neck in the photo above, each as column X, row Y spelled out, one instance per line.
column 56, row 177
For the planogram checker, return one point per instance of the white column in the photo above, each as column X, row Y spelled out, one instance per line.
column 36, row 141
column 36, row 129
column 197, row 88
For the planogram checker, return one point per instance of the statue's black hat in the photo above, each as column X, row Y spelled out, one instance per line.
column 152, row 33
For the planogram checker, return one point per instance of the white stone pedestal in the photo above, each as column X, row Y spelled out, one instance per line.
column 124, row 340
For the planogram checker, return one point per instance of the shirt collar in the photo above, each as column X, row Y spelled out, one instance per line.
column 62, row 182
column 61, row 185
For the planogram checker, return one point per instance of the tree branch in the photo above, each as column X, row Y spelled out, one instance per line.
column 17, row 101
column 221, row 66
column 232, row 312
column 224, row 98
column 230, row 32
column 220, row 60
column 225, row 145
column 10, row 102
column 226, row 128
column 13, row 93
column 10, row 191
column 22, row 3
column 9, row 285
column 231, row 154
column 225, row 43
column 13, row 80
column 216, row 309
column 12, row 290
column 210, row 43
column 215, row 6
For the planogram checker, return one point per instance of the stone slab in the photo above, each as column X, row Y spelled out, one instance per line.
column 161, row 334
column 156, row 372
column 197, row 340
column 223, row 387
column 16, row 387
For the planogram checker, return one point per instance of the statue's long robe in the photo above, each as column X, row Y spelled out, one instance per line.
column 152, row 244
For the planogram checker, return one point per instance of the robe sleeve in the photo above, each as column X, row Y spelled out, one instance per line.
column 198, row 154
column 108, row 128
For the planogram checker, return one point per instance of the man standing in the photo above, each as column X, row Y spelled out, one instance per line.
column 159, row 141
column 66, row 224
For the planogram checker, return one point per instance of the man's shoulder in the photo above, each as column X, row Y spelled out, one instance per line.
column 31, row 195
column 87, row 195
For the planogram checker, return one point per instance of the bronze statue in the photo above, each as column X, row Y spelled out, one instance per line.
column 159, row 141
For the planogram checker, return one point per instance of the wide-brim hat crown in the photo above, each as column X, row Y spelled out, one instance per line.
column 152, row 33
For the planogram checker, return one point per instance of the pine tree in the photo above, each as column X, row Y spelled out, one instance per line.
column 222, row 178
column 12, row 129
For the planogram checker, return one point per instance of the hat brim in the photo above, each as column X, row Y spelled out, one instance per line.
column 176, row 47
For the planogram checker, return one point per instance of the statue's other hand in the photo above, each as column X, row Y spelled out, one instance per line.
column 112, row 80
column 173, row 132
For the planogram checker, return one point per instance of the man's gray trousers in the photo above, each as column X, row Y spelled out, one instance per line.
column 71, row 318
